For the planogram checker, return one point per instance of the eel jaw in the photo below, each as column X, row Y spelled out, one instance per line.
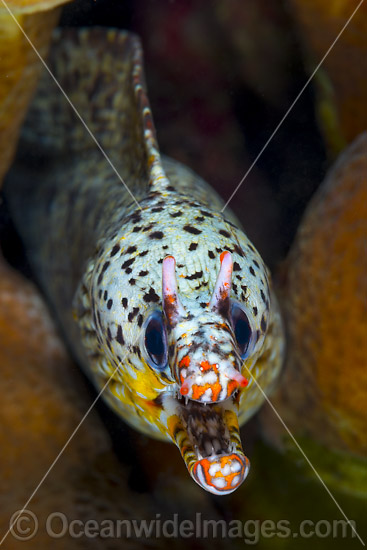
column 221, row 474
column 209, row 441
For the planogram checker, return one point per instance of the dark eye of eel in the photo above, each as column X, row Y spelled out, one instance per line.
column 155, row 340
column 241, row 327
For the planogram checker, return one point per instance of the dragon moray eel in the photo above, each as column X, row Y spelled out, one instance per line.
column 166, row 299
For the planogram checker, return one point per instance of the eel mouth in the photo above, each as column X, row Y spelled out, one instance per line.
column 209, row 441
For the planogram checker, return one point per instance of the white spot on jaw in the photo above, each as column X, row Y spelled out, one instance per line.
column 210, row 378
column 213, row 358
column 219, row 482
column 235, row 466
column 207, row 396
column 235, row 481
column 213, row 469
column 226, row 470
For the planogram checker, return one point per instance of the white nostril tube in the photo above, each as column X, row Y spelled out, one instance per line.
column 172, row 307
column 222, row 288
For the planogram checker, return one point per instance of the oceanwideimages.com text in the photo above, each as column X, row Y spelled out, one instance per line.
column 24, row 525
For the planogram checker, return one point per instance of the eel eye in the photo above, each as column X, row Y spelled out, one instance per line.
column 155, row 341
column 241, row 327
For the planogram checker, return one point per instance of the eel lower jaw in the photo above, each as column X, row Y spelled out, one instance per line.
column 221, row 474
column 209, row 441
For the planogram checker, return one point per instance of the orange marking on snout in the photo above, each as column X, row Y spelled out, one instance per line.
column 184, row 390
column 232, row 385
column 205, row 463
column 198, row 391
column 244, row 382
column 205, row 365
column 185, row 361
column 240, row 379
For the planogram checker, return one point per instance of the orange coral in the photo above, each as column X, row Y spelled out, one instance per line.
column 42, row 401
column 323, row 392
column 342, row 99
column 20, row 66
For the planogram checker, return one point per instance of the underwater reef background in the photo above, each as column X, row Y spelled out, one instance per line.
column 220, row 77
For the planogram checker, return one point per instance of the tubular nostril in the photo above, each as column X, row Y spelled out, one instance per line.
column 221, row 475
column 185, row 388
column 235, row 375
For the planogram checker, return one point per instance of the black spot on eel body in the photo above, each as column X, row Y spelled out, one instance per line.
column 156, row 235
column 131, row 249
column 133, row 313
column 238, row 250
column 263, row 324
column 105, row 266
column 115, row 249
column 191, row 229
column 151, row 296
column 196, row 275
column 119, row 336
column 127, row 263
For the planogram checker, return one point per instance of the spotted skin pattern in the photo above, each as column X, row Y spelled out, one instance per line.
column 107, row 264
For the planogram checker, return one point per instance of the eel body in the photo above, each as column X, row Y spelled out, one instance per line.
column 164, row 300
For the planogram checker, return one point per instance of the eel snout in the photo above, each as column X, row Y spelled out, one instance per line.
column 221, row 474
column 209, row 441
